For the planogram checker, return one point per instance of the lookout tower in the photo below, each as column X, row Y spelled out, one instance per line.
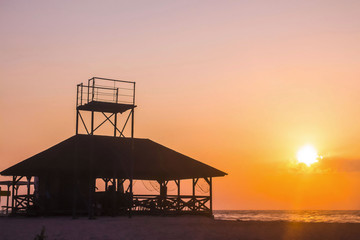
column 108, row 98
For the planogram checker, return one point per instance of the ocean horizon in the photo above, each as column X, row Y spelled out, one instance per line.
column 324, row 216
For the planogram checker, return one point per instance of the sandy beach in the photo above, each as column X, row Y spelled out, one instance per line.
column 187, row 227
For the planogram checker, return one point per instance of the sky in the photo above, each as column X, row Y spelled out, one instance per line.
column 239, row 85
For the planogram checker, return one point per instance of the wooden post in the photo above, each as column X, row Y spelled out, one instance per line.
column 115, row 124
column 178, row 193
column 77, row 122
column 106, row 183
column 115, row 120
column 28, row 191
column 93, row 89
column 132, row 159
column 178, row 188
column 114, row 202
column 211, row 197
column 13, row 195
column 92, row 123
column 77, row 111
column 193, row 194
column 7, row 200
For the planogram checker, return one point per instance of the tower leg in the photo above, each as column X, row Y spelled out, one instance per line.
column 77, row 122
column 92, row 123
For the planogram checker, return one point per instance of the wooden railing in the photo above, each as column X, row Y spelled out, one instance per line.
column 22, row 202
column 171, row 203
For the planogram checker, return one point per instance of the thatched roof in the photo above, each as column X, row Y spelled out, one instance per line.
column 104, row 156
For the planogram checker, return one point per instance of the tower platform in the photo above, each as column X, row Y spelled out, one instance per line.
column 106, row 107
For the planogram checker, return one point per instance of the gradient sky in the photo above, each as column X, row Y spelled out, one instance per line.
column 239, row 85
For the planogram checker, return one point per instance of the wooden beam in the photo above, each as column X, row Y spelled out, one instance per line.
column 92, row 123
column 211, row 197
column 13, row 195
column 115, row 124
column 28, row 191
column 7, row 201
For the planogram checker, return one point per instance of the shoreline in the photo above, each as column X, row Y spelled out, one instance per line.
column 164, row 227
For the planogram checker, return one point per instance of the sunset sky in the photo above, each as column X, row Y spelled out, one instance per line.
column 239, row 85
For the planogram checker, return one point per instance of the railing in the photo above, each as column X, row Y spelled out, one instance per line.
column 106, row 90
column 23, row 202
column 171, row 203
column 114, row 203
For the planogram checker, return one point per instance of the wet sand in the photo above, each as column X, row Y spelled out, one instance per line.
column 186, row 227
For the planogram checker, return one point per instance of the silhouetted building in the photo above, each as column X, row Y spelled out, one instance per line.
column 66, row 174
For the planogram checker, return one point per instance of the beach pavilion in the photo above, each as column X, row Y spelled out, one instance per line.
column 65, row 175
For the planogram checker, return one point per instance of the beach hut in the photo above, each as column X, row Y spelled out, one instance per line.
column 66, row 175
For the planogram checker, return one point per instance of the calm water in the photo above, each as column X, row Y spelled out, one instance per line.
column 331, row 216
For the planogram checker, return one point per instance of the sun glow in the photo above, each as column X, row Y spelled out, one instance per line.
column 308, row 155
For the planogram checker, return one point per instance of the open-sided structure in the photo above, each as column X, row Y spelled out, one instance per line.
column 65, row 175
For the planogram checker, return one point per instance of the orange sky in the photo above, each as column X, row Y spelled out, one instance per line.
column 239, row 85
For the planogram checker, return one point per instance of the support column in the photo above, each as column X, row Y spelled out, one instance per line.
column 28, row 191
column 132, row 122
column 115, row 120
column 77, row 111
column 178, row 195
column 106, row 180
column 178, row 192
column 92, row 123
column 77, row 122
column 115, row 124
column 163, row 194
column 13, row 195
column 114, row 200
column 193, row 194
column 132, row 162
column 211, row 197
column 7, row 200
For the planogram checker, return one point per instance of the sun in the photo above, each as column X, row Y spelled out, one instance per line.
column 308, row 155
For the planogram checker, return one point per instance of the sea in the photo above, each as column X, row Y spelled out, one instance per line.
column 325, row 216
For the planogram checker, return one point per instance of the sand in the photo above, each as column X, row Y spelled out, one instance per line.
column 186, row 227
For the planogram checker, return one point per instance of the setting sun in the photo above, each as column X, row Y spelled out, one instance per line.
column 307, row 154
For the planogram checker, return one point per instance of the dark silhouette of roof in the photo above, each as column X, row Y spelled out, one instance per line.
column 104, row 156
